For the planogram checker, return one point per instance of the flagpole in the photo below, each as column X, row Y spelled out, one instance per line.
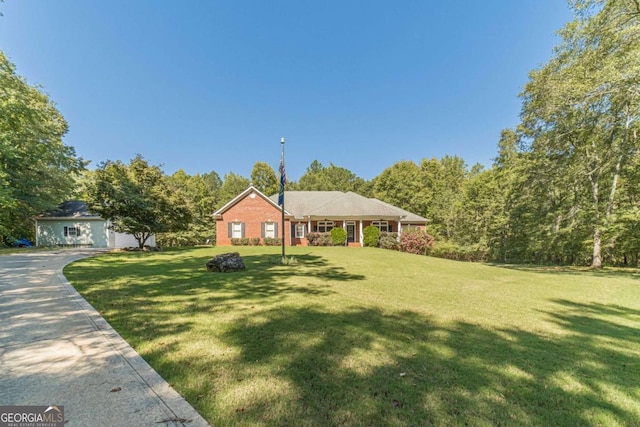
column 282, row 185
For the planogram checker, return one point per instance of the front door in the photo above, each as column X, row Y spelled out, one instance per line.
column 351, row 232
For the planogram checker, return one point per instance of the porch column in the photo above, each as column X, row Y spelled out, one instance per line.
column 309, row 226
column 361, row 236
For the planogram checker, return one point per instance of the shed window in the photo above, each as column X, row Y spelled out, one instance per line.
column 71, row 232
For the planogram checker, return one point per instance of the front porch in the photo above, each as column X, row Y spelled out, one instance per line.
column 353, row 227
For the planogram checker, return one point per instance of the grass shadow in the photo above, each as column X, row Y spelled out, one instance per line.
column 366, row 367
column 160, row 295
column 279, row 345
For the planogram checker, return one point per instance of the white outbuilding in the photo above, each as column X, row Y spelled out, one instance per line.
column 71, row 224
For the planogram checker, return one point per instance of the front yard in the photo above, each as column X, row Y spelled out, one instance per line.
column 368, row 337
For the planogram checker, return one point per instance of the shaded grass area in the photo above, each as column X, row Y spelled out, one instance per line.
column 360, row 336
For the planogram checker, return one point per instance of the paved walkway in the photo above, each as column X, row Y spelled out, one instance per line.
column 55, row 349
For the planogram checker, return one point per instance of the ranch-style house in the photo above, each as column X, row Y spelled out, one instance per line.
column 251, row 214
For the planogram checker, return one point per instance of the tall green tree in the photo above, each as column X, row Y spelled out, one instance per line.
column 213, row 183
column 264, row 178
column 136, row 198
column 402, row 185
column 37, row 170
column 580, row 110
column 199, row 199
column 443, row 181
column 330, row 178
column 511, row 224
column 232, row 185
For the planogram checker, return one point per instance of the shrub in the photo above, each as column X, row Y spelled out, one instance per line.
column 453, row 251
column 371, row 236
column 272, row 241
column 446, row 250
column 415, row 241
column 244, row 241
column 338, row 236
column 389, row 241
column 254, row 241
column 319, row 239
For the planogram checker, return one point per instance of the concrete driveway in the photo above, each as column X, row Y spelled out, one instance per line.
column 55, row 349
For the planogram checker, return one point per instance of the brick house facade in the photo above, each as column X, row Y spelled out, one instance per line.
column 252, row 214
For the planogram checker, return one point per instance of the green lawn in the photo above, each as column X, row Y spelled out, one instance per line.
column 368, row 337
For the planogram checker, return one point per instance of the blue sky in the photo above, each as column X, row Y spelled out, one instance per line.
column 208, row 85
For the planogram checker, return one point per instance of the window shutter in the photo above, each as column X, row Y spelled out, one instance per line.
column 390, row 228
column 78, row 231
column 242, row 229
column 275, row 229
column 66, row 231
column 230, row 229
column 262, row 226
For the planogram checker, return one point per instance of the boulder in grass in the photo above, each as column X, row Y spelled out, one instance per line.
column 224, row 263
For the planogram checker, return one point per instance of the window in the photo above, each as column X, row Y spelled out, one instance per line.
column 236, row 230
column 381, row 225
column 71, row 232
column 299, row 231
column 270, row 230
column 325, row 226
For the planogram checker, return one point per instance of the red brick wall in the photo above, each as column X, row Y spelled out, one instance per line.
column 252, row 212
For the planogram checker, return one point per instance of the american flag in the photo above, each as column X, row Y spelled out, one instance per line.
column 283, row 181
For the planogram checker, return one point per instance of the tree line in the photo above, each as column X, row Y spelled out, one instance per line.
column 564, row 186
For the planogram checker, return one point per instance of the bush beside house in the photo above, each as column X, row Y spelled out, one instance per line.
column 338, row 236
column 371, row 236
column 389, row 241
column 319, row 239
column 415, row 241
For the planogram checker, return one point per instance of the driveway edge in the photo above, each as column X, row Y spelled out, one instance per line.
column 184, row 413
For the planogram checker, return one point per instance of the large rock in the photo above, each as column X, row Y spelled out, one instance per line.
column 231, row 261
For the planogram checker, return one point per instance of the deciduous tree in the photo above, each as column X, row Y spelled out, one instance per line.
column 199, row 199
column 330, row 178
column 37, row 170
column 264, row 178
column 232, row 185
column 580, row 110
column 402, row 185
column 136, row 198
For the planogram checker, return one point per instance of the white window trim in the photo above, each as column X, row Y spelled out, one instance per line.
column 383, row 226
column 324, row 225
column 300, row 230
column 236, row 230
column 72, row 231
column 270, row 230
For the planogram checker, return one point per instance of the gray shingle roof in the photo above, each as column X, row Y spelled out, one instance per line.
column 336, row 204
column 70, row 209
